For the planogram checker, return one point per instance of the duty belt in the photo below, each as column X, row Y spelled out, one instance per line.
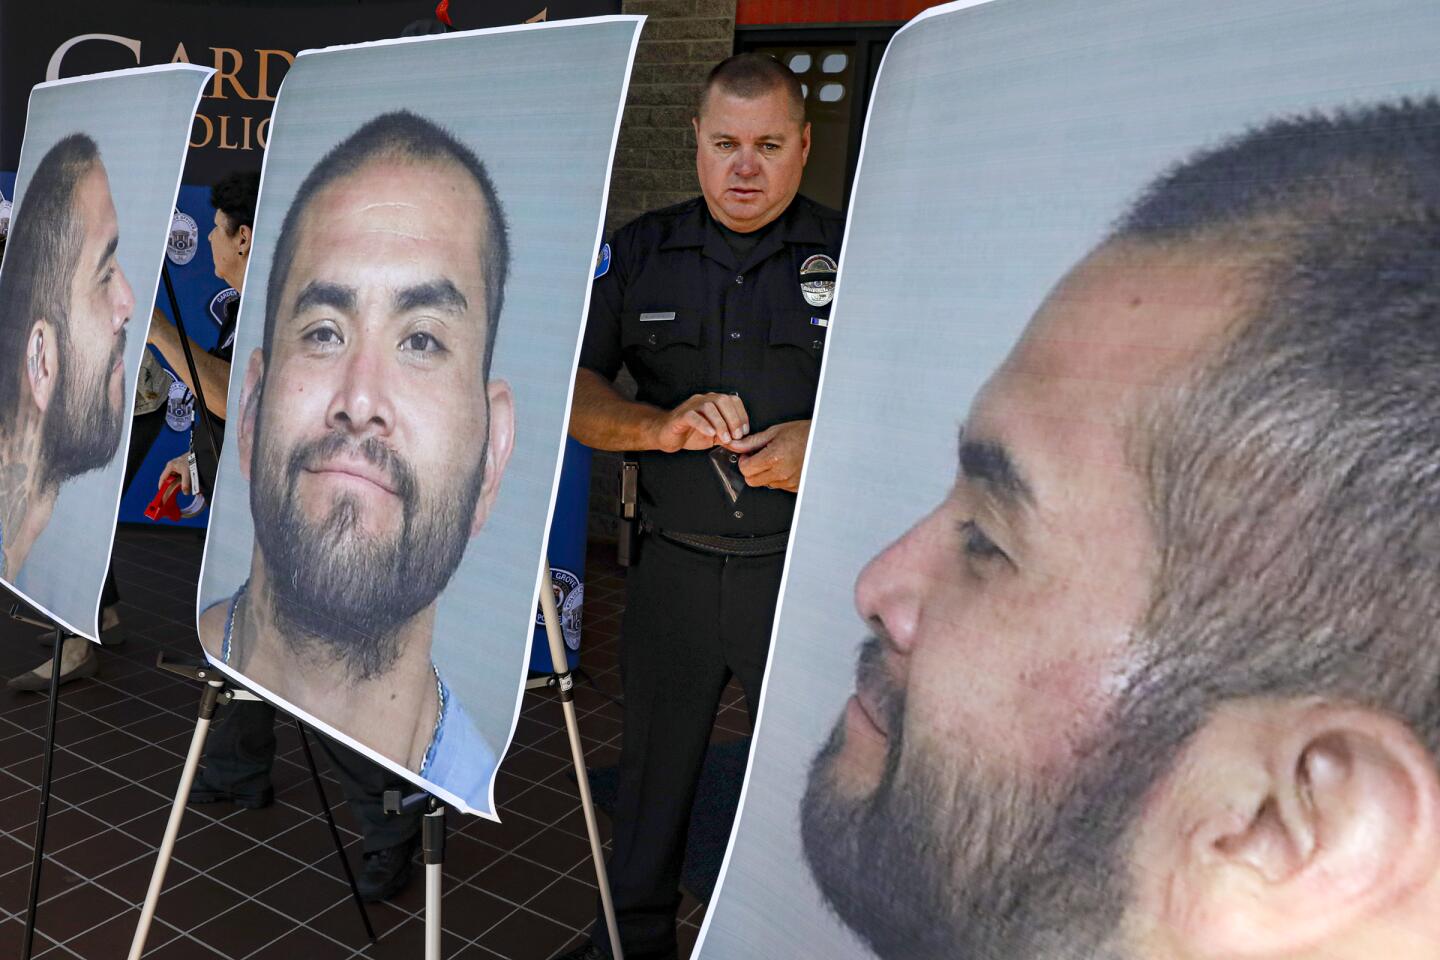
column 765, row 546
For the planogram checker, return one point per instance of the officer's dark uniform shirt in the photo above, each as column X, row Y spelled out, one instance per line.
column 678, row 309
column 224, row 349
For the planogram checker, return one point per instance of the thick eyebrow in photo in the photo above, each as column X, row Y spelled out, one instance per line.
column 438, row 294
column 110, row 249
column 763, row 138
column 319, row 293
column 989, row 463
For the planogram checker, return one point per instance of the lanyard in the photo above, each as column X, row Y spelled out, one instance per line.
column 198, row 502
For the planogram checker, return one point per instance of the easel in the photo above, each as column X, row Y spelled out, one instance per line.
column 217, row 691
column 433, row 824
column 565, row 684
column 47, row 764
column 47, row 769
column 432, row 836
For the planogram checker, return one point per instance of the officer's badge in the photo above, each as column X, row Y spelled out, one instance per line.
column 184, row 239
column 817, row 280
column 602, row 262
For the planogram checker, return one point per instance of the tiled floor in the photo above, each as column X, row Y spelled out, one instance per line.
column 265, row 883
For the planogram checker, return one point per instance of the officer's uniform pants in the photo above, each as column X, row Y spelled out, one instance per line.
column 691, row 621
column 240, row 750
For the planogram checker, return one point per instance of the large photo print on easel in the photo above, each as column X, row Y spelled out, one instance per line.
column 1109, row 628
column 429, row 213
column 99, row 170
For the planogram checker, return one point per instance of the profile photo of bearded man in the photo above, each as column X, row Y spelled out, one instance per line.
column 374, row 440
column 1160, row 677
column 64, row 306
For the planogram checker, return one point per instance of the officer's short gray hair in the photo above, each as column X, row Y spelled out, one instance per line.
column 752, row 75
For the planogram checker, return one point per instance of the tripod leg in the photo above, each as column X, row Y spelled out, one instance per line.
column 334, row 831
column 46, row 770
column 208, row 698
column 565, row 684
column 432, row 840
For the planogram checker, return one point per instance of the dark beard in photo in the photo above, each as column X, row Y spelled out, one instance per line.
column 947, row 859
column 342, row 594
column 81, row 431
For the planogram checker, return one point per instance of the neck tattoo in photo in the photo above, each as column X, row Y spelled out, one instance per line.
column 14, row 497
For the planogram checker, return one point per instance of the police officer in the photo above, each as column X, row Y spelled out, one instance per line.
column 719, row 308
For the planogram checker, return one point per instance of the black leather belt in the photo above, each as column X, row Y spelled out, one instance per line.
column 765, row 546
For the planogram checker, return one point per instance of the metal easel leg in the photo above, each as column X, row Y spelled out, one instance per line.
column 432, row 842
column 47, row 769
column 334, row 831
column 565, row 685
column 209, row 697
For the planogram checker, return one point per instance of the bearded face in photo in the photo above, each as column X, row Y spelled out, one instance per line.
column 342, row 579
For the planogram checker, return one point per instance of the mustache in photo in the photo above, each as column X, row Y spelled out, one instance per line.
column 314, row 454
column 117, row 353
column 874, row 680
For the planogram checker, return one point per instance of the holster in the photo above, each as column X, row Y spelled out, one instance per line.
column 628, row 544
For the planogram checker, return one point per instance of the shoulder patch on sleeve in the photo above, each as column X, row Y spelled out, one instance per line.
column 602, row 261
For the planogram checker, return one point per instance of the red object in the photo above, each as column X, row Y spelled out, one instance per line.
column 442, row 13
column 756, row 13
column 164, row 506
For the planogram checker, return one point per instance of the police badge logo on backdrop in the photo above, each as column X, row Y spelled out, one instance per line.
column 179, row 405
column 569, row 594
column 184, row 239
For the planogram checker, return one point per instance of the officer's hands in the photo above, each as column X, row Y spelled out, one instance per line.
column 179, row 467
column 773, row 457
column 703, row 421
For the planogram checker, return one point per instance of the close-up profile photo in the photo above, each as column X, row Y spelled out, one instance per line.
column 87, row 230
column 1139, row 662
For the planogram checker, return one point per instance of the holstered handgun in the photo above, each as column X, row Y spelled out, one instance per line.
column 629, row 522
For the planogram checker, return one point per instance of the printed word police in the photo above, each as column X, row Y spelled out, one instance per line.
column 237, row 77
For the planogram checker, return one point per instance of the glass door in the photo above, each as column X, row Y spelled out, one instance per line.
column 836, row 67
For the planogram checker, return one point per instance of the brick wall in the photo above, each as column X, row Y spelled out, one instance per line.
column 655, row 157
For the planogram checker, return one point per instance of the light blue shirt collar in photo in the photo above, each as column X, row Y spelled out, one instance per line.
column 459, row 758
